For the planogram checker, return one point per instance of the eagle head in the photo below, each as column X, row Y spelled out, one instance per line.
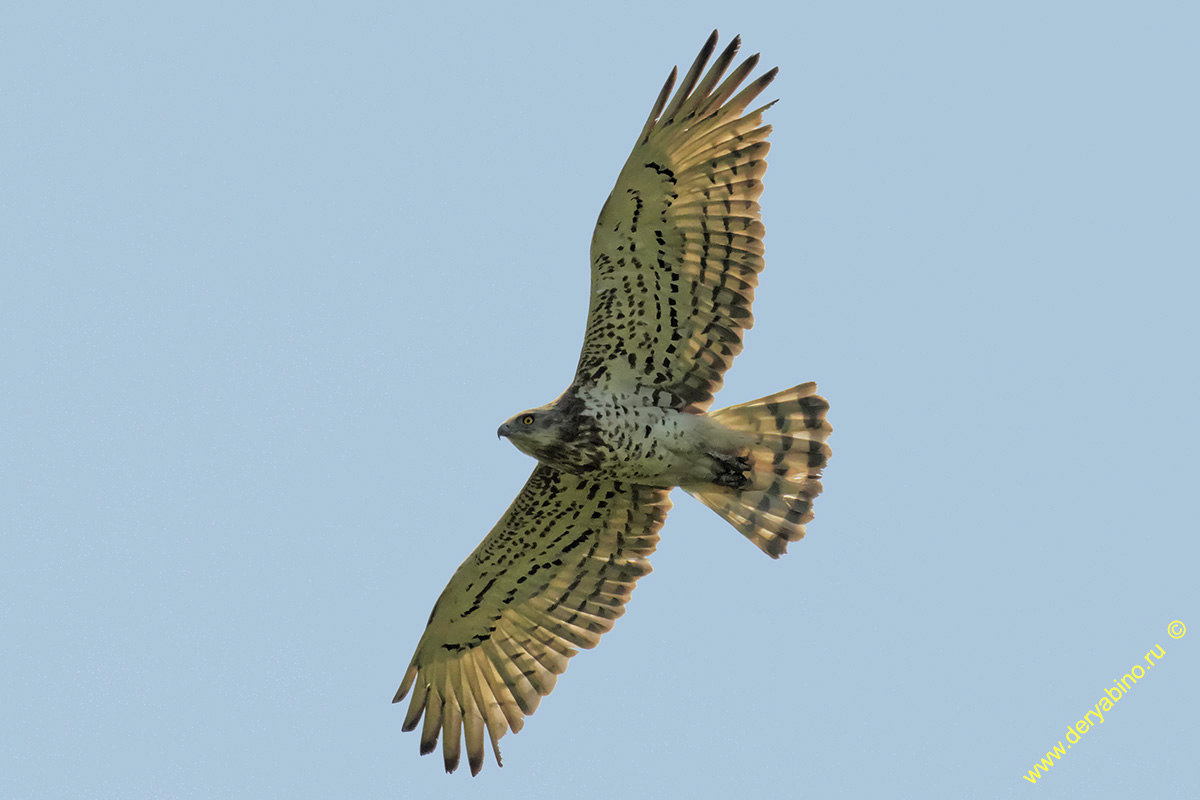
column 537, row 432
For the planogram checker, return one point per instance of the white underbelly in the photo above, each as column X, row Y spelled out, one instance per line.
column 658, row 446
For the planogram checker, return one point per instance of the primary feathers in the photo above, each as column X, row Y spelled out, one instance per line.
column 675, row 258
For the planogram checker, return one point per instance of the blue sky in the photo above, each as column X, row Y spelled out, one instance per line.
column 272, row 275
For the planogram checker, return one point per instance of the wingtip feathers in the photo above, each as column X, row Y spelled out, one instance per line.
column 409, row 676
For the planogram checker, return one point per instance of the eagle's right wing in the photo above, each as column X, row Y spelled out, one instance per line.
column 552, row 576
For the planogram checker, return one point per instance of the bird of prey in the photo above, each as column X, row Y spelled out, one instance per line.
column 675, row 258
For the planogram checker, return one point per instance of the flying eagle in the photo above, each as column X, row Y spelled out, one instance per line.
column 675, row 258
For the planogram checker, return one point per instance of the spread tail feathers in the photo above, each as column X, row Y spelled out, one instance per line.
column 783, row 439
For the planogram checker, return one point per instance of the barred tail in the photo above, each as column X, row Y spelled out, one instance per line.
column 783, row 439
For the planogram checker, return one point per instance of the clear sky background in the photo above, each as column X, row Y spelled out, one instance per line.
column 273, row 274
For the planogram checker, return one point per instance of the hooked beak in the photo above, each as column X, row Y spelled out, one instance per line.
column 503, row 430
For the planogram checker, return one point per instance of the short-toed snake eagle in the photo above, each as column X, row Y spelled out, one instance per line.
column 675, row 258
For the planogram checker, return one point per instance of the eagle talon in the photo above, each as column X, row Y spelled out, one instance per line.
column 733, row 470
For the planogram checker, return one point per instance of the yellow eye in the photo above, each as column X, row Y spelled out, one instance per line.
column 527, row 419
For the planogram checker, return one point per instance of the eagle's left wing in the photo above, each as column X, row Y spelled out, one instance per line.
column 552, row 576
column 678, row 246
